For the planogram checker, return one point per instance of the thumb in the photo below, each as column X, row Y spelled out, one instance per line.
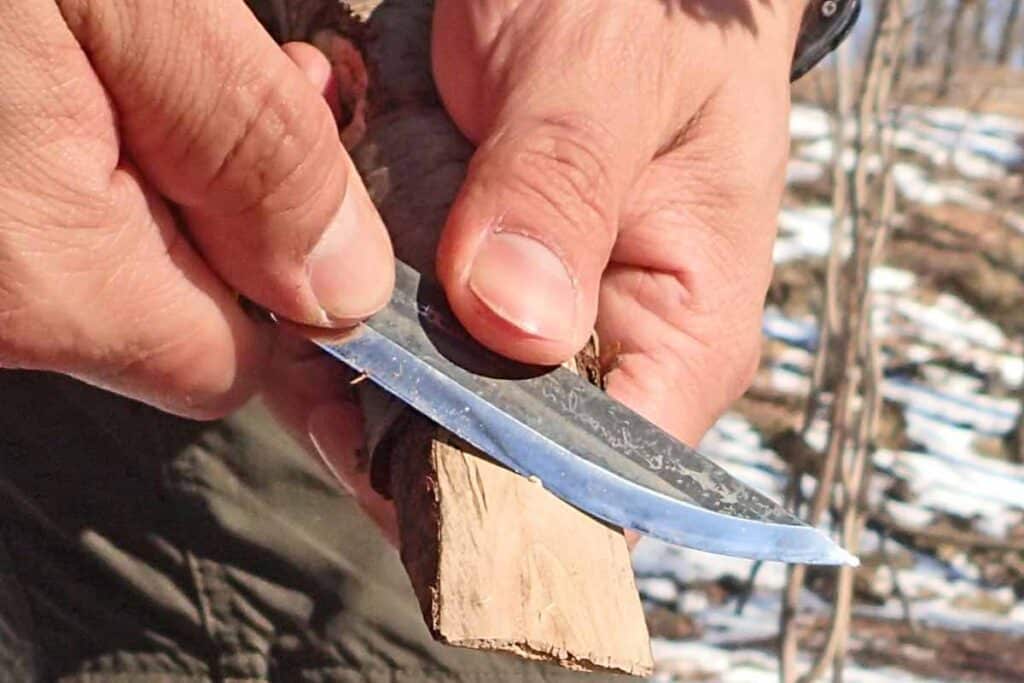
column 226, row 126
column 532, row 229
column 530, row 234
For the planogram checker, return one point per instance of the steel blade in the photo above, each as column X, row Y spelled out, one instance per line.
column 584, row 446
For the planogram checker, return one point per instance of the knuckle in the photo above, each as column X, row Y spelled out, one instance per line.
column 567, row 164
column 282, row 150
column 256, row 139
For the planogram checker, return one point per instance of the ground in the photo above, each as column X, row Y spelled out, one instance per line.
column 940, row 595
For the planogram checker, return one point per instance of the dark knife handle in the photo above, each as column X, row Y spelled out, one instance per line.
column 825, row 25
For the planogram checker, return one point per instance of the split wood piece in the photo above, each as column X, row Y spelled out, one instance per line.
column 499, row 563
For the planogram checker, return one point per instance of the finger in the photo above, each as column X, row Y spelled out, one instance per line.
column 681, row 305
column 311, row 62
column 322, row 74
column 226, row 126
column 336, row 433
column 564, row 127
column 309, row 395
column 95, row 279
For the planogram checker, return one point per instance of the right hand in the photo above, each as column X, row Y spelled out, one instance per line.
column 155, row 159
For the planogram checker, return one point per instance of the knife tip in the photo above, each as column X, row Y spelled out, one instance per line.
column 840, row 556
column 831, row 553
column 848, row 559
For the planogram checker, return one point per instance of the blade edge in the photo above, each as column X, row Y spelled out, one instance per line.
column 580, row 482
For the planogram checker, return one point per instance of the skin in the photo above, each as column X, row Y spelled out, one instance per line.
column 144, row 184
column 631, row 160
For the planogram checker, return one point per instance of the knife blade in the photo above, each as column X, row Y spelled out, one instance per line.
column 550, row 424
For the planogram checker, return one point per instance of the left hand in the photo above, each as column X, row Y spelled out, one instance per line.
column 630, row 165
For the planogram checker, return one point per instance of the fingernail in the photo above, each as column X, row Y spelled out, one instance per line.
column 351, row 269
column 525, row 284
column 335, row 431
column 313, row 64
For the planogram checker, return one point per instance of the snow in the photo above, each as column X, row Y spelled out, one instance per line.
column 946, row 410
column 658, row 589
column 992, row 416
column 788, row 380
column 803, row 172
column 1011, row 369
column 802, row 333
column 892, row 280
column 822, row 151
column 948, row 320
column 690, row 567
column 692, row 602
column 950, row 370
column 908, row 516
column 698, row 661
column 803, row 233
column 808, row 123
column 690, row 659
column 951, row 118
column 970, row 146
column 913, row 184
column 979, row 148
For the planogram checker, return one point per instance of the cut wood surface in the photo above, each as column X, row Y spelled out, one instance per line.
column 499, row 563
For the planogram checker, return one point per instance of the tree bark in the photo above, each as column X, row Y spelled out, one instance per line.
column 979, row 41
column 927, row 28
column 856, row 401
column 949, row 62
column 1006, row 38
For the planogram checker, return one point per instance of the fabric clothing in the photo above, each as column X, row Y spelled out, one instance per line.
column 136, row 546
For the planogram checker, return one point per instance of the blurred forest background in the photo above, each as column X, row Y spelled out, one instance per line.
column 888, row 407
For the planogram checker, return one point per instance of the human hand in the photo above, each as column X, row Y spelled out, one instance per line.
column 646, row 145
column 630, row 167
column 155, row 158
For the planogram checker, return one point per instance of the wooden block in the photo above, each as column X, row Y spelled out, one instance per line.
column 499, row 563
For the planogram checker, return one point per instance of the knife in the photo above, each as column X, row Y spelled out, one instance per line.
column 553, row 426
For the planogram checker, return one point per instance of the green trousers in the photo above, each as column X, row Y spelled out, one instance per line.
column 135, row 546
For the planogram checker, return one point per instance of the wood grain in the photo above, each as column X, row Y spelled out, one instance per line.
column 499, row 563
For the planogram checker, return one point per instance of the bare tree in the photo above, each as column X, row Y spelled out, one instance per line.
column 953, row 50
column 979, row 42
column 864, row 201
column 928, row 27
column 1006, row 39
